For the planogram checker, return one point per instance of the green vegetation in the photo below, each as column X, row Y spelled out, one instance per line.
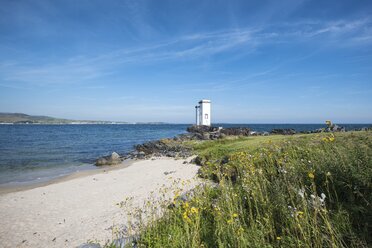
column 277, row 191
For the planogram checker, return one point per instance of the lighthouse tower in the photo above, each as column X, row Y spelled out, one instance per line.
column 204, row 112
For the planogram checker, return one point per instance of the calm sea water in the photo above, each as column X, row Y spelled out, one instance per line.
column 37, row 153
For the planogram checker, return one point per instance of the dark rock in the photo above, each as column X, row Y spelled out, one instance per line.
column 201, row 129
column 89, row 246
column 164, row 147
column 141, row 155
column 198, row 160
column 335, row 128
column 283, row 131
column 171, row 154
column 130, row 241
column 243, row 131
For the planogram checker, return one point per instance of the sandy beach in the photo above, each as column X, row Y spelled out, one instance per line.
column 69, row 213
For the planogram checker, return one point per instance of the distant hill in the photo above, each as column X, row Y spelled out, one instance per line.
column 19, row 118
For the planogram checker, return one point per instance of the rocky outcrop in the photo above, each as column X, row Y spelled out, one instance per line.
column 201, row 129
column 335, row 128
column 161, row 148
column 242, row 131
column 211, row 133
column 283, row 131
column 112, row 159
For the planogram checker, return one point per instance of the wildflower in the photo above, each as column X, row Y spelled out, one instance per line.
column 240, row 230
column 328, row 174
column 194, row 210
column 311, row 175
column 186, row 217
column 301, row 192
column 278, row 238
column 235, row 215
column 282, row 170
column 292, row 211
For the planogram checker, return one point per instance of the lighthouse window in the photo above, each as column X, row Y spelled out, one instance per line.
column 206, row 116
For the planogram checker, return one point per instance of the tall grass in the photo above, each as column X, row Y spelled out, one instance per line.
column 303, row 191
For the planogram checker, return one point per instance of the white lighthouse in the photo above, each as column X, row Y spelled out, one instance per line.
column 204, row 115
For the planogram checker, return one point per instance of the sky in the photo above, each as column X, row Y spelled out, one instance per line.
column 133, row 60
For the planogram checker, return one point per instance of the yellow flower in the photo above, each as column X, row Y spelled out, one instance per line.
column 311, row 175
column 331, row 139
column 186, row 217
column 300, row 213
column 194, row 210
column 278, row 238
column 240, row 230
column 235, row 215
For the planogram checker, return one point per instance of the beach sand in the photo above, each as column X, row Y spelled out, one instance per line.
column 71, row 212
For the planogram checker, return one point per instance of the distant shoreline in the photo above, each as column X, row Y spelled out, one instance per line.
column 90, row 123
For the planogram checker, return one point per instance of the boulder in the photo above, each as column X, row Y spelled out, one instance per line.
column 90, row 245
column 335, row 128
column 113, row 159
column 101, row 162
column 198, row 160
column 206, row 136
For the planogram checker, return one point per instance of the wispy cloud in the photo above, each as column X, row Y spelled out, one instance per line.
column 82, row 69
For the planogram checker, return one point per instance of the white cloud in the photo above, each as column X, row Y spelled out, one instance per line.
column 80, row 69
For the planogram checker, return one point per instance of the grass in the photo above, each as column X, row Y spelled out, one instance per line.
column 276, row 191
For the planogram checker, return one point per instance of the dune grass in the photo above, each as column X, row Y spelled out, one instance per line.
column 276, row 191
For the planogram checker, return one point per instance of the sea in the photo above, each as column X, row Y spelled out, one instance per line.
column 39, row 153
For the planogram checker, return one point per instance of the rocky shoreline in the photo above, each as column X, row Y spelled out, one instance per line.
column 176, row 148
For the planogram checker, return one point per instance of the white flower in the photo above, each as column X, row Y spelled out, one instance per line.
column 323, row 196
column 301, row 192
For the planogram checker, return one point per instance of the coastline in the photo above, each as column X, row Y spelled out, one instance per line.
column 5, row 189
column 82, row 207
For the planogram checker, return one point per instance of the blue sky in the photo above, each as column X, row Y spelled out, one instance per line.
column 258, row 61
